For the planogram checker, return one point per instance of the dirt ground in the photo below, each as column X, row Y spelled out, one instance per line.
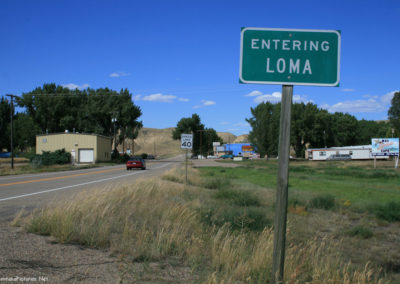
column 31, row 258
column 27, row 257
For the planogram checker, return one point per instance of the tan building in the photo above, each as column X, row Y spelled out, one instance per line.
column 84, row 148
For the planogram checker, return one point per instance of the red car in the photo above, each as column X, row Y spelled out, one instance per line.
column 135, row 163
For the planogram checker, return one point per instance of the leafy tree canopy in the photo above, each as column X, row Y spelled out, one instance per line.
column 310, row 127
column 53, row 109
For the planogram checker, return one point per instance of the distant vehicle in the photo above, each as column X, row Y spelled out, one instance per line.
column 194, row 157
column 5, row 155
column 339, row 157
column 135, row 163
column 211, row 157
column 150, row 157
column 226, row 156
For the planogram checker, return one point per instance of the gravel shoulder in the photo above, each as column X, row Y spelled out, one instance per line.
column 27, row 257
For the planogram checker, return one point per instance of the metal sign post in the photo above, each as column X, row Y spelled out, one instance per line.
column 186, row 143
column 278, row 260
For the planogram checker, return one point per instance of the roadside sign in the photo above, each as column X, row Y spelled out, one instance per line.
column 385, row 146
column 186, row 141
column 290, row 57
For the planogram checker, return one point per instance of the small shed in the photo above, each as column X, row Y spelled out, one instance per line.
column 84, row 148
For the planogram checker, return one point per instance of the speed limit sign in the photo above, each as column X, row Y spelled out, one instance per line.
column 186, row 141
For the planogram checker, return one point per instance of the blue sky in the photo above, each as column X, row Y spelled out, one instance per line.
column 182, row 57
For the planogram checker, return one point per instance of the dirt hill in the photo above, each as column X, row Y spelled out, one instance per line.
column 227, row 137
column 159, row 142
column 242, row 138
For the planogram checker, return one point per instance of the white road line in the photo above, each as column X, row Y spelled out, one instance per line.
column 60, row 172
column 76, row 185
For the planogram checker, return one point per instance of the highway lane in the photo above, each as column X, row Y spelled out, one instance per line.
column 37, row 190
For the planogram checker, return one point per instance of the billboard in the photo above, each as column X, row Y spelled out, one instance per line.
column 247, row 148
column 385, row 146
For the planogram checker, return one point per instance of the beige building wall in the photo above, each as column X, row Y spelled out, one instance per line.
column 104, row 148
column 73, row 142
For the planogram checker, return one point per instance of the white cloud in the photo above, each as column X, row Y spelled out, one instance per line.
column 370, row 104
column 370, row 97
column 388, row 97
column 254, row 94
column 119, row 74
column 205, row 103
column 208, row 103
column 242, row 124
column 275, row 97
column 348, row 90
column 224, row 123
column 159, row 98
column 73, row 86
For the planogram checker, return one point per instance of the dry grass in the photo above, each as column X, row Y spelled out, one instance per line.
column 160, row 219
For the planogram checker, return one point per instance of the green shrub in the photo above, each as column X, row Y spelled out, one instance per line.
column 360, row 231
column 389, row 211
column 238, row 197
column 326, row 202
column 293, row 201
column 250, row 218
column 58, row 157
column 215, row 183
column 144, row 155
column 117, row 158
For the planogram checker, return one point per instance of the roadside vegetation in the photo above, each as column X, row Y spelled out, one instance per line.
column 220, row 226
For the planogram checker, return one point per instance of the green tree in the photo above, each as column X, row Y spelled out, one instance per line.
column 372, row 129
column 209, row 136
column 25, row 131
column 265, row 128
column 5, row 110
column 201, row 135
column 306, row 127
column 344, row 129
column 394, row 113
column 55, row 109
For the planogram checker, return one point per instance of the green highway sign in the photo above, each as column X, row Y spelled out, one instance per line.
column 290, row 57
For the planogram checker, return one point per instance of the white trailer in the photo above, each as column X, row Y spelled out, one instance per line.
column 356, row 153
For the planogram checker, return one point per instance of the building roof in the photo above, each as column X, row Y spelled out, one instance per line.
column 75, row 133
column 360, row 147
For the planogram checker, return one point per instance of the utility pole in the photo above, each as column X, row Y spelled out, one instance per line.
column 201, row 136
column 12, row 129
column 113, row 120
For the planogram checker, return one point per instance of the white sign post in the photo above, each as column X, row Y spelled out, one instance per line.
column 186, row 143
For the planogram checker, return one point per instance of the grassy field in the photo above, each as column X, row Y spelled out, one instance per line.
column 355, row 183
column 219, row 228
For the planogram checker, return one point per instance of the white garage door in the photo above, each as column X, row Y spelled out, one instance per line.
column 86, row 156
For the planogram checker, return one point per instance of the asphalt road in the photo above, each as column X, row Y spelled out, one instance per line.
column 37, row 190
